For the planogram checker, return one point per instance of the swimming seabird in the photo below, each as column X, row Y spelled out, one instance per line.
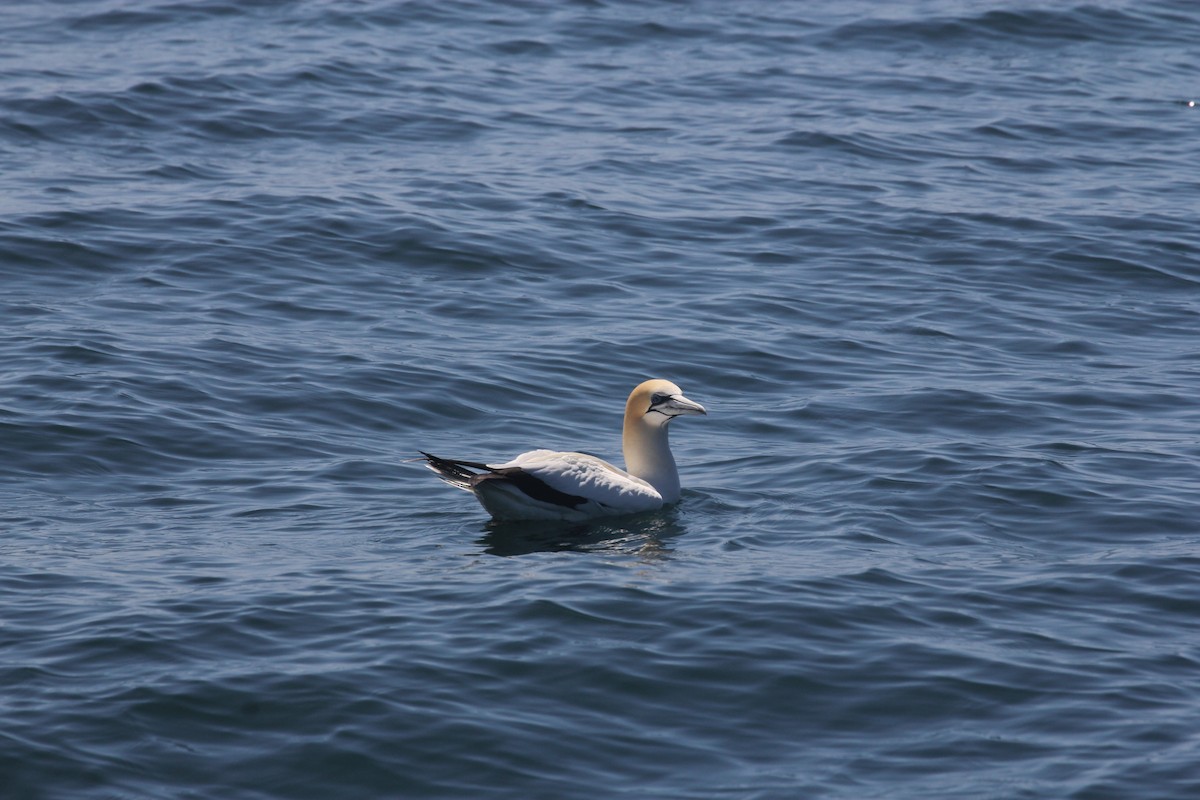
column 547, row 484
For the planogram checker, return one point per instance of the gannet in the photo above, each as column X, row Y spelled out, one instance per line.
column 547, row 484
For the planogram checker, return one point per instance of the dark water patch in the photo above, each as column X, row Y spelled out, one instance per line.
column 859, row 146
column 68, row 117
column 522, row 47
column 1083, row 24
column 126, row 21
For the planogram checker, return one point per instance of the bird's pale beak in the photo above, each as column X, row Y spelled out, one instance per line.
column 677, row 405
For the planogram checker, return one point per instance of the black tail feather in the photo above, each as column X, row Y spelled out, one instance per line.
column 457, row 473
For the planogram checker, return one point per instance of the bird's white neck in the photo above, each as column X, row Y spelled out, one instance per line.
column 648, row 454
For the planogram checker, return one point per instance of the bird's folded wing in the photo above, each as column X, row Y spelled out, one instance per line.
column 589, row 477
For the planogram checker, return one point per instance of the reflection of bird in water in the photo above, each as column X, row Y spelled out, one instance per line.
column 646, row 536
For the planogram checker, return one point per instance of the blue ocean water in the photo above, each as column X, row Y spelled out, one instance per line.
column 932, row 266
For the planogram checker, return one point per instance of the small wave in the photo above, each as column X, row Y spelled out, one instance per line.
column 1034, row 27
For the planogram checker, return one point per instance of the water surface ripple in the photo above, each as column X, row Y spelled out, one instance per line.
column 933, row 267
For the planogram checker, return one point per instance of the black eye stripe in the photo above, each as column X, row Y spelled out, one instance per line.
column 657, row 399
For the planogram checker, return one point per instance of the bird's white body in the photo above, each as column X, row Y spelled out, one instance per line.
column 549, row 484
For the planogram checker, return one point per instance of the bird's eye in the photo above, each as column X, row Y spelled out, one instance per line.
column 657, row 398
